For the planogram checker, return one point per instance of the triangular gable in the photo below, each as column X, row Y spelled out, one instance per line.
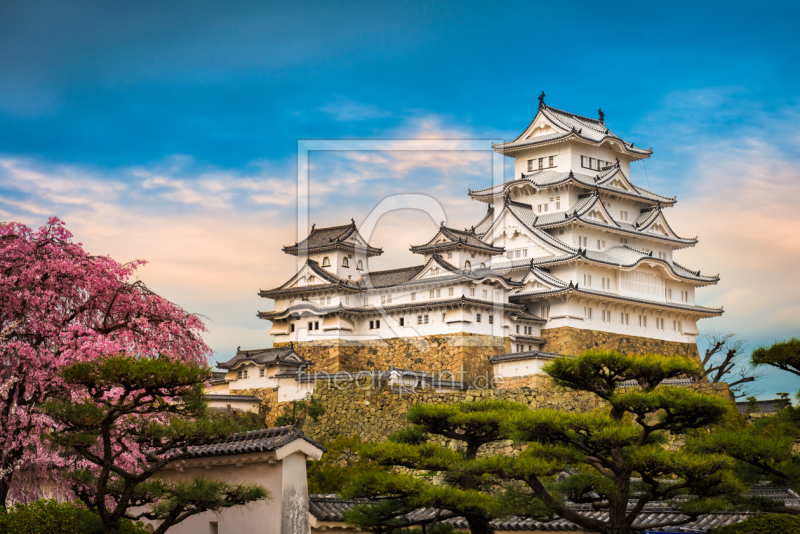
column 536, row 280
column 596, row 211
column 508, row 224
column 619, row 180
column 541, row 125
column 304, row 276
column 436, row 266
column 658, row 225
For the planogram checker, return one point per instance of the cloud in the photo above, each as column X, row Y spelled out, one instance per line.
column 347, row 110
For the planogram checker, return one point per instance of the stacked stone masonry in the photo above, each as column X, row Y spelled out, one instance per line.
column 375, row 414
column 572, row 341
column 465, row 356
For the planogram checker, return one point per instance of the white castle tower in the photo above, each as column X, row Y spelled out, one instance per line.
column 569, row 256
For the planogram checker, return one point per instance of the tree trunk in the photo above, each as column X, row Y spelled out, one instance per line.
column 479, row 525
column 5, row 482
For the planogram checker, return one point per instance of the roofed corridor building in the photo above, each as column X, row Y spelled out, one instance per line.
column 570, row 255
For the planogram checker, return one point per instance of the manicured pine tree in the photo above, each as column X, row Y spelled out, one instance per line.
column 441, row 478
column 127, row 418
column 618, row 458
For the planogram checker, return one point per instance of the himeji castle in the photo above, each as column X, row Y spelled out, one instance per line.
column 570, row 255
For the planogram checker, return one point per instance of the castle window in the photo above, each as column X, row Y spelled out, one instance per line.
column 668, row 294
column 491, row 319
column 262, row 372
column 419, row 319
column 684, row 296
column 643, row 321
column 347, row 300
column 623, row 215
column 485, row 294
column 449, row 255
column 326, row 261
column 606, row 283
column 623, row 240
column 530, row 165
column 366, row 301
column 496, row 295
column 624, row 318
column 328, row 300
column 478, row 317
column 587, row 280
column 438, row 293
column 587, row 314
column 425, row 317
column 242, row 374
column 467, row 266
column 541, row 163
column 345, row 262
column 544, row 311
column 432, row 294
column 402, row 321
column 444, row 316
column 517, row 331
column 359, row 265
column 472, row 292
column 450, row 292
column 520, row 348
column 374, row 324
column 601, row 244
column 414, row 295
column 291, row 327
column 552, row 161
column 312, row 279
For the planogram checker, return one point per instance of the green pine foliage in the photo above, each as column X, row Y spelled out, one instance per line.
column 339, row 466
column 784, row 355
column 155, row 408
column 763, row 524
column 607, row 458
column 431, row 475
column 298, row 411
column 52, row 517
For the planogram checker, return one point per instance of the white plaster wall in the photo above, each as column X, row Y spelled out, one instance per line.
column 518, row 368
column 262, row 517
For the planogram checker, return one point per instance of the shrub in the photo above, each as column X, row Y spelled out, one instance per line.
column 763, row 524
column 52, row 517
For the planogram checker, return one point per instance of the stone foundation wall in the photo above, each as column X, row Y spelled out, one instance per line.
column 271, row 408
column 374, row 414
column 464, row 355
column 573, row 341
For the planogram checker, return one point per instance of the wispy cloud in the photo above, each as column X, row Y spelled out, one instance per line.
column 347, row 110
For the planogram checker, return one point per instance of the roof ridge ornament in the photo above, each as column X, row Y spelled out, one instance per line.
column 352, row 221
column 602, row 115
column 238, row 348
column 541, row 100
column 312, row 226
column 617, row 162
column 570, row 174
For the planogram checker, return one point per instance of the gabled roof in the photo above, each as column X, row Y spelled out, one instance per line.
column 344, row 237
column 524, row 214
column 269, row 357
column 450, row 239
column 626, row 257
column 590, row 202
column 610, row 180
column 563, row 126
column 265, row 440
column 330, row 281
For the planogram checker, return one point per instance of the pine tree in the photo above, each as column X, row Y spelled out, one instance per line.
column 443, row 477
column 127, row 418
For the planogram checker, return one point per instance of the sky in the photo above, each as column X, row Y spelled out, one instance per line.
column 168, row 131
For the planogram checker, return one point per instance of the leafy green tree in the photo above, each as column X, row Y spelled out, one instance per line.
column 339, row 466
column 441, row 477
column 619, row 456
column 52, row 517
column 133, row 416
column 297, row 411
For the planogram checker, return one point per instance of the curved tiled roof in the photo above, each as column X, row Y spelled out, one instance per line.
column 543, row 179
column 331, row 238
column 525, row 215
column 232, row 398
column 330, row 508
column 333, row 282
column 263, row 440
column 525, row 355
column 269, row 357
column 624, row 256
column 689, row 308
column 575, row 127
column 457, row 239
column 389, row 308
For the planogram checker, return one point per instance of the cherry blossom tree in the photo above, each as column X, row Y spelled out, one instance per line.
column 60, row 305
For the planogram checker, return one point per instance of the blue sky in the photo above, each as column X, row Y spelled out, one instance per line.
column 168, row 131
